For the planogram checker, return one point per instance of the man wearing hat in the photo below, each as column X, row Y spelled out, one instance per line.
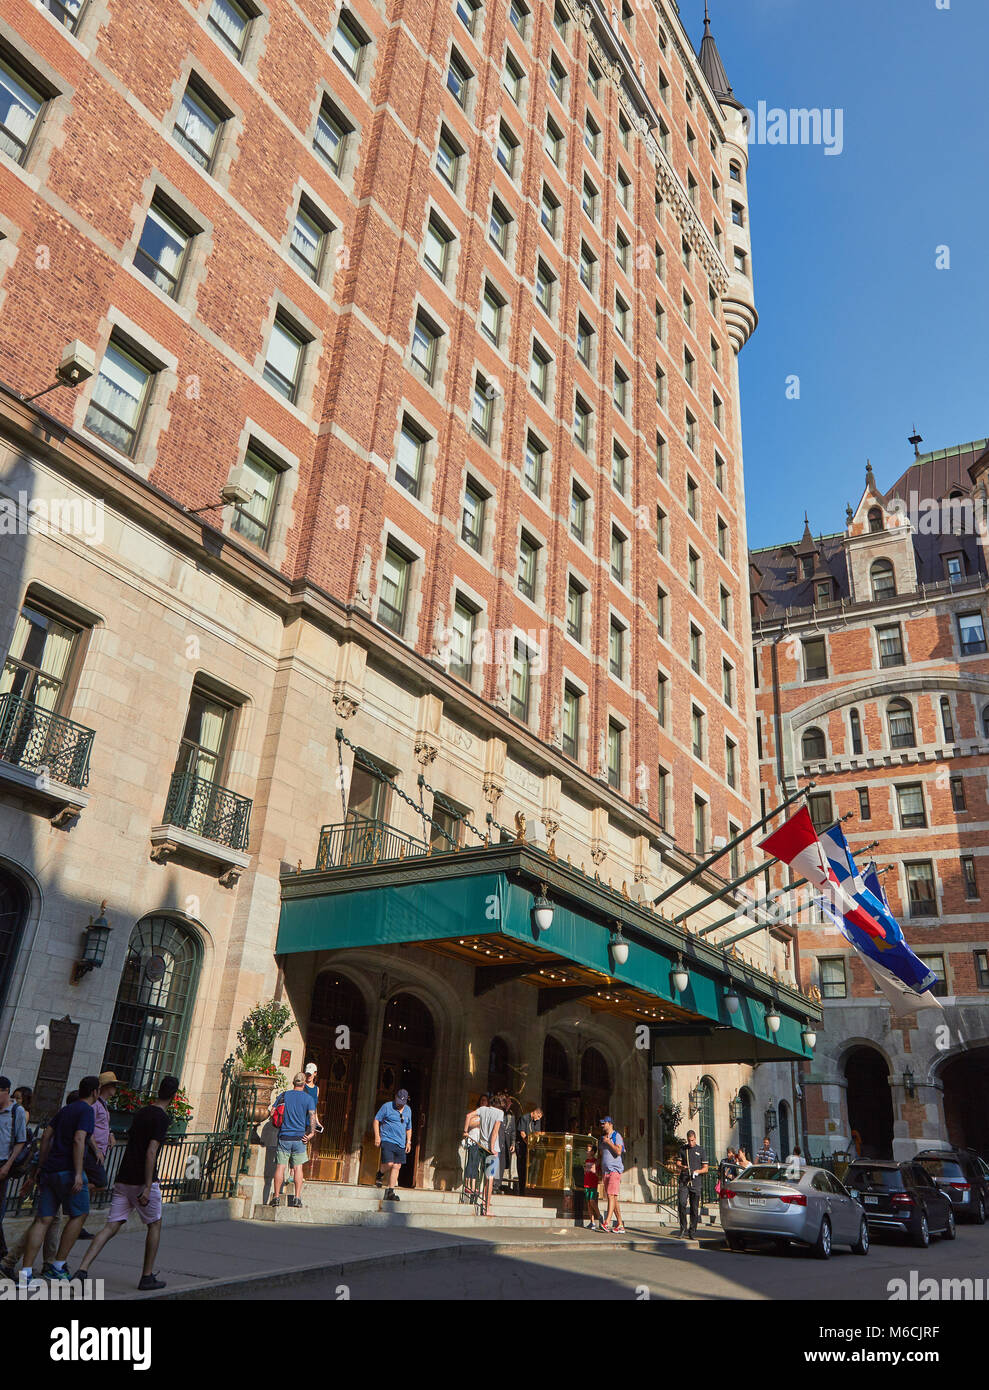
column 312, row 1090
column 393, row 1135
column 102, row 1140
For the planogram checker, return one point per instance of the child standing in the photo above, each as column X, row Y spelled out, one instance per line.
column 591, row 1177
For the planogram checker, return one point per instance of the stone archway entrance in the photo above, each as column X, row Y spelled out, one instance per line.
column 336, row 1016
column 870, row 1101
column 595, row 1090
column 408, row 1040
column 966, row 1100
column 557, row 1093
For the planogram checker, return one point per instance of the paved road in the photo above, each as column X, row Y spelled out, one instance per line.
column 675, row 1271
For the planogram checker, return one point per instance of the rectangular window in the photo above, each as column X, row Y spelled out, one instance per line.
column 557, row 77
column 660, row 455
column 528, row 559
column 283, row 364
column 482, row 410
column 161, row 251
column 688, row 367
column 472, row 523
column 693, row 570
column 553, row 140
column 21, row 104
column 532, row 474
column 910, row 805
column 545, row 280
column 940, row 986
column 691, row 497
column 425, row 340
column 521, row 682
column 498, row 226
column 37, row 670
column 697, row 731
column 539, row 372
column 920, row 888
column 332, row 134
column 663, row 798
column 695, row 649
column 660, row 387
column 821, row 812
column 833, row 984
column 620, row 390
column 458, row 79
column 578, row 512
column 589, row 200
column 731, row 751
column 571, row 721
column 492, row 308
column 725, row 608
column 968, row 874
column 309, row 233
column 448, row 157
column 582, row 423
column 622, row 248
column 467, row 12
column 349, row 43
column 411, row 458
column 506, row 150
column 624, row 188
column 575, row 610
column 760, row 749
column 958, row 794
column 619, row 467
column 621, row 318
column 700, row 825
column 119, row 398
column 549, row 208
column 815, row 659
column 462, row 646
column 198, row 126
column 890, row 646
column 971, row 633
column 586, row 268
column 518, row 13
column 616, row 649
column 592, row 134
column 865, row 810
column 741, row 261
column 253, row 519
column 662, row 699
column 660, row 322
column 981, row 969
column 719, row 472
column 728, row 683
column 394, row 593
column 615, row 733
column 585, row 340
column 661, row 531
column 617, row 555
column 690, row 431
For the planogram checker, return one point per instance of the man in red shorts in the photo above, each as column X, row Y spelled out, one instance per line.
column 136, row 1188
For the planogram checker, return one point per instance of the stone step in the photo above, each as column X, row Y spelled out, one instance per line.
column 406, row 1216
column 325, row 1197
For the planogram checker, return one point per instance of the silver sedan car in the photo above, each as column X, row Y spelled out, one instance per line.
column 788, row 1202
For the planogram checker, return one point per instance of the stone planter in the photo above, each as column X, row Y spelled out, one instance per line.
column 121, row 1121
column 264, row 1085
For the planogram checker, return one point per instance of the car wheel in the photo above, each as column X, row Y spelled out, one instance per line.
column 980, row 1212
column 923, row 1236
column 949, row 1230
column 822, row 1249
column 861, row 1246
column 734, row 1242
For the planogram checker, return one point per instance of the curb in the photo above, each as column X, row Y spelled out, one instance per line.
column 301, row 1274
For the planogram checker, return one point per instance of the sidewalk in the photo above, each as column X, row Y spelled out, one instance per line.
column 202, row 1260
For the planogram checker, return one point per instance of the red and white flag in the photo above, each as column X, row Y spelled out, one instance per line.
column 796, row 844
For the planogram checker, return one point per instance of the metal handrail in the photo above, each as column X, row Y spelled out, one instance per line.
column 205, row 808
column 36, row 738
column 361, row 840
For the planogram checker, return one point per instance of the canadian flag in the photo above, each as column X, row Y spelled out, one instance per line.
column 796, row 844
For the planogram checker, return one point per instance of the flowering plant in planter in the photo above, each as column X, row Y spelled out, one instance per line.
column 178, row 1107
column 126, row 1100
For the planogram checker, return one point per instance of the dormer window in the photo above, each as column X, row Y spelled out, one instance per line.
column 883, row 580
column 823, row 593
column 807, row 566
column 876, row 519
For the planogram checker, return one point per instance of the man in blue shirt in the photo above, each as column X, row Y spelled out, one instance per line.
column 13, row 1137
column 62, row 1181
column 612, row 1148
column 393, row 1135
column 298, row 1121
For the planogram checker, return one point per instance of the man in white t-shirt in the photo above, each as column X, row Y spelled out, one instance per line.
column 488, row 1121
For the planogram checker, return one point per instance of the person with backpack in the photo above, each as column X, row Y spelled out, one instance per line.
column 612, row 1147
column 13, row 1140
column 294, row 1116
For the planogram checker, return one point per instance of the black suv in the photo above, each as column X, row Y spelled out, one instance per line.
column 962, row 1176
column 901, row 1197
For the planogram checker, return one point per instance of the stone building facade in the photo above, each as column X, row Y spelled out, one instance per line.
column 873, row 680
column 414, row 415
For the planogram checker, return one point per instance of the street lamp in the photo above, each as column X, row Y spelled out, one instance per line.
column 542, row 910
column 772, row 1019
column 808, row 1037
column 732, row 1001
column 94, row 940
column 618, row 946
column 908, row 1084
column 680, row 975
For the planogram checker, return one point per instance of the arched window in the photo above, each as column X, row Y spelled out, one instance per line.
column 946, row 721
column 883, row 580
column 876, row 519
column 408, row 1021
column 154, row 1005
column 14, row 903
column 856, row 727
column 813, row 746
column 901, row 730
column 708, row 1135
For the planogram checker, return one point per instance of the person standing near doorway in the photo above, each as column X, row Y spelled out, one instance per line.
column 489, row 1121
column 530, row 1125
column 393, row 1136
column 506, row 1139
column 298, row 1118
column 612, row 1149
column 691, row 1167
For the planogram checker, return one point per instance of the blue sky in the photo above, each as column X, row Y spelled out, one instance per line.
column 844, row 247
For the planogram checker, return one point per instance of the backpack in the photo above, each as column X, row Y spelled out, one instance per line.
column 28, row 1156
column 278, row 1114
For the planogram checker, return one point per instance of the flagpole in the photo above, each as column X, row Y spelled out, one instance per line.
column 726, row 849
column 723, row 893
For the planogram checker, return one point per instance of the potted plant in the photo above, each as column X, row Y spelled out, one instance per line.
column 256, row 1039
column 123, row 1105
column 180, row 1111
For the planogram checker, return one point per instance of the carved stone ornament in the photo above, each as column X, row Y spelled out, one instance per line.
column 362, row 593
column 520, row 827
column 230, row 877
column 425, row 750
column 162, row 852
column 599, row 851
column 345, row 705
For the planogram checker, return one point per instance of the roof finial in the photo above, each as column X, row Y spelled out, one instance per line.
column 707, row 17
column 916, row 440
column 869, row 479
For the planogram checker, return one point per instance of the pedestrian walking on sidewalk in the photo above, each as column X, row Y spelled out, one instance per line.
column 136, row 1188
column 612, row 1148
column 393, row 1136
column 62, row 1181
column 296, row 1129
column 691, row 1167
column 13, row 1139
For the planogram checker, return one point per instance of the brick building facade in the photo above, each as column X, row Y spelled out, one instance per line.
column 873, row 680
column 445, row 301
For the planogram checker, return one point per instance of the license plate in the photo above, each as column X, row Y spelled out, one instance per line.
column 872, row 1201
column 757, row 1201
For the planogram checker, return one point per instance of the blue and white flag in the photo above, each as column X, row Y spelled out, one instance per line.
column 903, row 978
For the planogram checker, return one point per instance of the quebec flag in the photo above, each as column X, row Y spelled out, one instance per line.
column 903, row 978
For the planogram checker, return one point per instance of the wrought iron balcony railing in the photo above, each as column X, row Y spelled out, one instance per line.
column 33, row 738
column 207, row 809
column 359, row 840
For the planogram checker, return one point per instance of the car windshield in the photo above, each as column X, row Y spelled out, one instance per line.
column 942, row 1168
column 876, row 1179
column 769, row 1173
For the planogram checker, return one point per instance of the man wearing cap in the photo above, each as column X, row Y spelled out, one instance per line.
column 393, row 1136
column 298, row 1118
column 312, row 1091
column 612, row 1167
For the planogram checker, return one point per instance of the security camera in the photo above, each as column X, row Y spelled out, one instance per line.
column 238, row 487
column 77, row 365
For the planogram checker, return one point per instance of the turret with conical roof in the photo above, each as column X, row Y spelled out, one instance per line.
column 712, row 66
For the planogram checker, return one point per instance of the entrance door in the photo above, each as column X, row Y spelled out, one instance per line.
column 407, row 1045
column 335, row 1042
column 595, row 1091
column 557, row 1097
column 870, row 1102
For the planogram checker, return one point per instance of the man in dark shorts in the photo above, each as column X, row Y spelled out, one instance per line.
column 298, row 1124
column 692, row 1165
column 136, row 1188
column 393, row 1136
column 62, row 1181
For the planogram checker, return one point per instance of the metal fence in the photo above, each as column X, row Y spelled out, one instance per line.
column 207, row 809
column 359, row 840
column 33, row 738
column 668, row 1188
